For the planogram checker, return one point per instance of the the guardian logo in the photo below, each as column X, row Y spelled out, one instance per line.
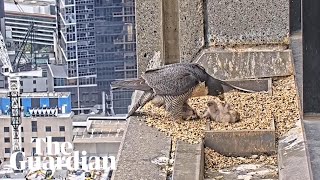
column 63, row 156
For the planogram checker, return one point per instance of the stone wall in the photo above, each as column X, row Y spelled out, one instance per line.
column 240, row 33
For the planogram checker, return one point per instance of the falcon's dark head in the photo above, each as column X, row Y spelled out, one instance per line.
column 214, row 88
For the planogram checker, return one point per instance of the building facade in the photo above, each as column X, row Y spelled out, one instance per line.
column 44, row 114
column 41, row 13
column 96, row 39
column 99, row 135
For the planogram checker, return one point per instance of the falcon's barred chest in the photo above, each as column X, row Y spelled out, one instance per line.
column 174, row 104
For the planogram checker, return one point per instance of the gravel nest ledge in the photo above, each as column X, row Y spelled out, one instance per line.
column 256, row 110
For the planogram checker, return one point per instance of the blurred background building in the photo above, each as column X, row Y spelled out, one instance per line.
column 96, row 41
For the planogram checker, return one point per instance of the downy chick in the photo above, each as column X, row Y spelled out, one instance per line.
column 221, row 113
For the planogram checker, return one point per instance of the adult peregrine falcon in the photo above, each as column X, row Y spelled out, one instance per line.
column 172, row 85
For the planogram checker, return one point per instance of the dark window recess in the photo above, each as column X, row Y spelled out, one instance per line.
column 33, row 151
column 34, row 127
column 58, row 139
column 35, row 102
column 21, row 83
column 6, row 139
column 34, row 82
column 53, row 102
column 34, row 89
column 62, row 128
column 34, row 139
column 22, row 139
column 7, row 150
column 21, row 129
column 48, row 128
column 22, row 149
column 6, row 129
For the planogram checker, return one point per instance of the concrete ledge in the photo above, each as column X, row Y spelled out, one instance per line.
column 189, row 161
column 241, row 142
column 246, row 64
column 139, row 150
column 257, row 85
column 293, row 162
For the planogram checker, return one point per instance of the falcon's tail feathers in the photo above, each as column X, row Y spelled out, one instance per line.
column 143, row 100
column 133, row 84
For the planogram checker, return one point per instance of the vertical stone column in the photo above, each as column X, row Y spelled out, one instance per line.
column 149, row 32
column 171, row 31
column 173, row 28
column 191, row 29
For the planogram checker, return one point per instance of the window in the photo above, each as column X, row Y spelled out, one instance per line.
column 22, row 149
column 34, row 89
column 44, row 74
column 6, row 140
column 48, row 128
column 22, row 139
column 34, row 82
column 58, row 139
column 21, row 83
column 33, row 151
column 21, row 129
column 62, row 128
column 33, row 139
column 59, row 82
column 34, row 126
column 7, row 150
column 6, row 129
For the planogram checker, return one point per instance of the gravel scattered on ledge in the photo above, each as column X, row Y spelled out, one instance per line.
column 256, row 112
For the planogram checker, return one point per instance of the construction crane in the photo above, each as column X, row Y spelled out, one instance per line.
column 13, row 75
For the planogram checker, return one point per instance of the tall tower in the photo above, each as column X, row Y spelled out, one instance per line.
column 96, row 40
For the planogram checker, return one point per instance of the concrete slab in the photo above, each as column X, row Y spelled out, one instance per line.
column 232, row 22
column 189, row 161
column 246, row 64
column 312, row 129
column 139, row 150
column 296, row 47
column 149, row 32
column 293, row 160
column 241, row 142
column 191, row 28
column 257, row 85
column 245, row 171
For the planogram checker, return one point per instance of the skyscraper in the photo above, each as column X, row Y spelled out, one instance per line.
column 96, row 39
